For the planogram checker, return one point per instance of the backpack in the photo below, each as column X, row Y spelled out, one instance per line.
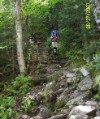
column 54, row 32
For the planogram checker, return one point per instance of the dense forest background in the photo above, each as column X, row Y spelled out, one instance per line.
column 39, row 18
column 77, row 42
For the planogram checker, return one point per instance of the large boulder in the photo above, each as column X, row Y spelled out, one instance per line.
column 82, row 110
column 86, row 83
column 50, row 91
column 76, row 99
column 63, row 98
column 61, row 101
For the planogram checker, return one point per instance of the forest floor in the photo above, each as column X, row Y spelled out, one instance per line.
column 57, row 90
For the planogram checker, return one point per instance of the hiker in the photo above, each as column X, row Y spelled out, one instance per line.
column 53, row 39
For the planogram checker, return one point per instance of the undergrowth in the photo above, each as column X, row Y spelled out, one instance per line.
column 17, row 88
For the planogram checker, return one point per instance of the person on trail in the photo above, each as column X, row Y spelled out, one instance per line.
column 53, row 39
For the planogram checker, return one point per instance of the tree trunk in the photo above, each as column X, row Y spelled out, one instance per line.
column 19, row 43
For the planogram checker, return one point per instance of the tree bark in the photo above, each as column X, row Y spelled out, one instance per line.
column 19, row 43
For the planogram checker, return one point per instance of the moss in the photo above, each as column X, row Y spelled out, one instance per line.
column 59, row 104
column 43, row 92
column 97, row 96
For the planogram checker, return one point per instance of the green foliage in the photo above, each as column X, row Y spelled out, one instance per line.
column 97, row 61
column 59, row 104
column 97, row 83
column 6, row 23
column 7, row 108
column 53, row 2
column 48, row 43
column 97, row 96
column 91, row 67
column 74, row 54
column 19, row 86
column 97, row 80
column 61, row 49
column 71, row 20
column 34, row 14
column 88, row 50
column 27, row 104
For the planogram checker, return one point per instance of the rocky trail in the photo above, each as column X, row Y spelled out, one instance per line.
column 62, row 93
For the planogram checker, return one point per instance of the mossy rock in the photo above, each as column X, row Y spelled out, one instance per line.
column 59, row 104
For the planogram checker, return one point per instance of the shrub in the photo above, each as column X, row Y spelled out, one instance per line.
column 28, row 104
column 19, row 86
column 97, row 61
column 7, row 108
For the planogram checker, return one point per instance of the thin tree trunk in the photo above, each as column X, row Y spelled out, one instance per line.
column 19, row 43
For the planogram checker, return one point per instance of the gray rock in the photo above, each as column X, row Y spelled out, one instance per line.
column 75, row 101
column 51, row 97
column 83, row 110
column 61, row 116
column 88, row 58
column 38, row 117
column 61, row 101
column 51, row 87
column 52, row 68
column 91, row 103
column 71, row 80
column 50, row 91
column 79, row 117
column 44, row 113
column 76, row 93
column 86, row 83
column 58, row 92
column 69, row 74
column 84, row 71
column 98, row 117
column 75, row 69
column 62, row 81
column 78, row 99
column 70, row 77
column 25, row 117
column 63, row 98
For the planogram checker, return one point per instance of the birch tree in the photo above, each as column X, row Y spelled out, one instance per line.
column 18, row 27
